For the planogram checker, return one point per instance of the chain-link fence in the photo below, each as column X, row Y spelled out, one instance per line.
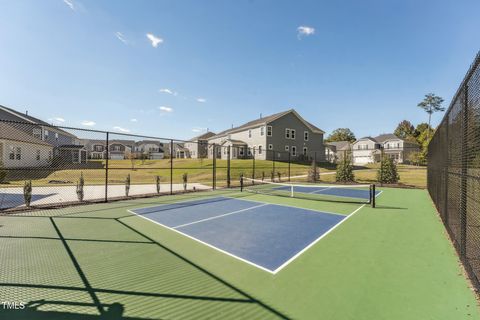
column 454, row 171
column 70, row 165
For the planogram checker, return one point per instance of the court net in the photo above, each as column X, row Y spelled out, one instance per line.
column 360, row 194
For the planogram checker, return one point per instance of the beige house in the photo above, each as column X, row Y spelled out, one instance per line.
column 336, row 150
column 197, row 147
column 368, row 150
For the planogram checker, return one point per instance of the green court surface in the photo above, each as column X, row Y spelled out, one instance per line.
column 102, row 262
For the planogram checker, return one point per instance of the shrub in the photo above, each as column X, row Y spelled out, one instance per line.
column 279, row 176
column 157, row 183
column 388, row 171
column 263, row 175
column 27, row 192
column 345, row 170
column 127, row 185
column 272, row 176
column 313, row 172
column 80, row 184
column 185, row 181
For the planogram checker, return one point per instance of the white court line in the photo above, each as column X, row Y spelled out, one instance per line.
column 219, row 216
column 319, row 190
column 206, row 243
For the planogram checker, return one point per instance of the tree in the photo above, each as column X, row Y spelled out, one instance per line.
column 27, row 192
column 388, row 171
column 421, row 127
column 185, row 181
column 127, row 185
column 341, row 134
column 80, row 185
column 431, row 104
column 345, row 170
column 404, row 130
column 313, row 172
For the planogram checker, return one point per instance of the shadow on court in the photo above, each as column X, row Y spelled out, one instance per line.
column 89, row 265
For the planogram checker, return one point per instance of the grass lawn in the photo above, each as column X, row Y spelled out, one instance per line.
column 392, row 262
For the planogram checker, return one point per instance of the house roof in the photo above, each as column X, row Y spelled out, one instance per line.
column 155, row 142
column 339, row 145
column 23, row 117
column 265, row 120
column 235, row 142
column 203, row 136
column 386, row 136
column 367, row 138
column 9, row 132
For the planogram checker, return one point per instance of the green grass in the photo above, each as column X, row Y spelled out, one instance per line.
column 393, row 262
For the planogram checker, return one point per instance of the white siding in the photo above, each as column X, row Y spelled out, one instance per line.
column 28, row 154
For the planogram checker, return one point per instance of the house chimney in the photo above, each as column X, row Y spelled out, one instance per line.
column 260, row 116
column 26, row 112
column 232, row 125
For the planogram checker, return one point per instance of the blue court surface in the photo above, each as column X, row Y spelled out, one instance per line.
column 332, row 191
column 267, row 236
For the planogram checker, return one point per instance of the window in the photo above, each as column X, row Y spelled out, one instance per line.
column 287, row 133
column 240, row 152
column 37, row 133
column 259, row 149
column 250, row 133
column 38, row 155
column 287, row 148
column 363, row 147
column 294, row 151
column 292, row 133
column 305, row 135
column 46, row 134
column 249, row 151
column 269, row 131
column 56, row 136
column 305, row 151
column 270, row 146
column 12, row 153
column 262, row 131
column 50, row 155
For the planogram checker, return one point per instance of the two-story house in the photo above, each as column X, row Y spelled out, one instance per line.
column 336, row 150
column 280, row 136
column 66, row 146
column 149, row 149
column 369, row 150
column 198, row 146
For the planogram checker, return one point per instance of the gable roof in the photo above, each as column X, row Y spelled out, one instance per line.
column 9, row 132
column 22, row 117
column 339, row 145
column 386, row 136
column 203, row 136
column 266, row 120
column 366, row 138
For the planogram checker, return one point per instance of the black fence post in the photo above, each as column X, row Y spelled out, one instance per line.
column 171, row 166
column 463, row 194
column 273, row 165
column 214, row 167
column 289, row 160
column 228, row 167
column 107, row 154
column 446, row 177
column 253, row 165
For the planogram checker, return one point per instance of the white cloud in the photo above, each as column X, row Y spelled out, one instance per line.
column 166, row 90
column 305, row 31
column 165, row 109
column 57, row 119
column 154, row 40
column 88, row 123
column 121, row 37
column 133, row 120
column 201, row 100
column 120, row 129
column 70, row 4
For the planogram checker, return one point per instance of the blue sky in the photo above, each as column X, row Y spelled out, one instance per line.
column 174, row 68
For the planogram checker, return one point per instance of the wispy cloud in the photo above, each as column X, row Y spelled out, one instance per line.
column 154, row 40
column 201, row 100
column 70, row 4
column 133, row 120
column 198, row 129
column 165, row 109
column 305, row 31
column 120, row 129
column 121, row 37
column 88, row 123
column 168, row 91
column 57, row 119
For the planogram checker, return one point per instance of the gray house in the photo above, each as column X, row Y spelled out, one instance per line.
column 66, row 146
column 281, row 136
column 198, row 146
column 368, row 149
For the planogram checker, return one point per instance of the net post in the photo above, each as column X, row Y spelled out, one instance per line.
column 273, row 166
column 253, row 165
column 241, row 182
column 214, row 167
column 289, row 161
column 372, row 195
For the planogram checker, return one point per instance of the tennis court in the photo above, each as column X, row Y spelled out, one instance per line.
column 228, row 254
